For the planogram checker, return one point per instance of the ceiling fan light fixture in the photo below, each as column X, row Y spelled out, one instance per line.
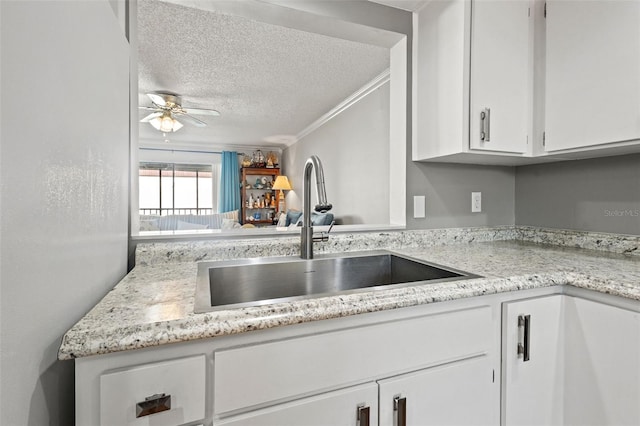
column 166, row 106
column 165, row 123
column 176, row 125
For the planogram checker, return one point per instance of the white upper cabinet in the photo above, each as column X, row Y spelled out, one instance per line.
column 500, row 75
column 473, row 58
column 522, row 82
column 592, row 94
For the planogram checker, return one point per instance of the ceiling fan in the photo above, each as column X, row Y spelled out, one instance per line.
column 167, row 107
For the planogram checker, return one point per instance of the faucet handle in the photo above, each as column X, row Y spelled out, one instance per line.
column 324, row 235
column 321, row 238
column 333, row 222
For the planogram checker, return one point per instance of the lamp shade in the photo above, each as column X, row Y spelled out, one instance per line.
column 282, row 183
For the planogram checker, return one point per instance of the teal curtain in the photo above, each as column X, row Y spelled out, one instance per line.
column 229, row 199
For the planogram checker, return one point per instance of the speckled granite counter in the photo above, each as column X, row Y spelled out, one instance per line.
column 153, row 304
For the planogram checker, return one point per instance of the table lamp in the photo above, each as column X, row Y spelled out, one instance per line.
column 281, row 184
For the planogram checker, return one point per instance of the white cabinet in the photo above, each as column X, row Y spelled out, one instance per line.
column 583, row 365
column 472, row 77
column 460, row 393
column 533, row 383
column 440, row 360
column 592, row 67
column 454, row 354
column 355, row 406
column 258, row 375
column 602, row 366
column 500, row 76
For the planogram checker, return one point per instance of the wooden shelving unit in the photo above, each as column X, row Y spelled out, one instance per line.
column 248, row 177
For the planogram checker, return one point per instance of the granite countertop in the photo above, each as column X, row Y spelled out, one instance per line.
column 153, row 304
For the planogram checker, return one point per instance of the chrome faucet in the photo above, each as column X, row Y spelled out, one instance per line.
column 306, row 234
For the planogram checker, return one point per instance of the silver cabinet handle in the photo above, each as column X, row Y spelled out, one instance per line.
column 153, row 404
column 524, row 347
column 363, row 415
column 485, row 125
column 400, row 410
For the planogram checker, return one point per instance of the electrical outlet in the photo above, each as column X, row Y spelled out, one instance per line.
column 476, row 202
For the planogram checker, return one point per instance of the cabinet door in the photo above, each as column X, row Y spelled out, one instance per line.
column 533, row 382
column 500, row 75
column 603, row 364
column 347, row 407
column 459, row 393
column 592, row 69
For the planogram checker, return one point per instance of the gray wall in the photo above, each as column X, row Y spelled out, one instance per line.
column 601, row 194
column 448, row 189
column 354, row 150
column 64, row 174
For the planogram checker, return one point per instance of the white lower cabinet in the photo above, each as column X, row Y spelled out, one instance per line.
column 564, row 361
column 532, row 361
column 354, row 406
column 438, row 362
column 570, row 361
column 459, row 393
column 602, row 368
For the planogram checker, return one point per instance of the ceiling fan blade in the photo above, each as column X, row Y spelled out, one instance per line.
column 148, row 108
column 191, row 120
column 157, row 99
column 151, row 117
column 198, row 111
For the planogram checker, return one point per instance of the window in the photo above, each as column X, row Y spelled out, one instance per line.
column 167, row 189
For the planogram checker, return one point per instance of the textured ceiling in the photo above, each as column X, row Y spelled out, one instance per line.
column 265, row 80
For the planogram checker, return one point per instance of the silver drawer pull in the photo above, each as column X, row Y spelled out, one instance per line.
column 485, row 125
column 524, row 347
column 363, row 415
column 153, row 404
column 400, row 409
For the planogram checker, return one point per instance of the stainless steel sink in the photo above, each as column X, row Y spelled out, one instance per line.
column 253, row 282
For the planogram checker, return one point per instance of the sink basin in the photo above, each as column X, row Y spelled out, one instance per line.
column 254, row 282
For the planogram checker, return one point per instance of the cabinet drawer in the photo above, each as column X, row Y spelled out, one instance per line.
column 181, row 380
column 254, row 375
column 337, row 408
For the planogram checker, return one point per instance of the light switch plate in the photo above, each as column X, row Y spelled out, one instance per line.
column 419, row 206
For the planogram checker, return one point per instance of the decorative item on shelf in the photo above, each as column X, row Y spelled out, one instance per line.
column 268, row 201
column 250, row 205
column 258, row 159
column 246, row 161
column 282, row 184
column 247, row 185
column 258, row 184
column 256, row 216
column 272, row 160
